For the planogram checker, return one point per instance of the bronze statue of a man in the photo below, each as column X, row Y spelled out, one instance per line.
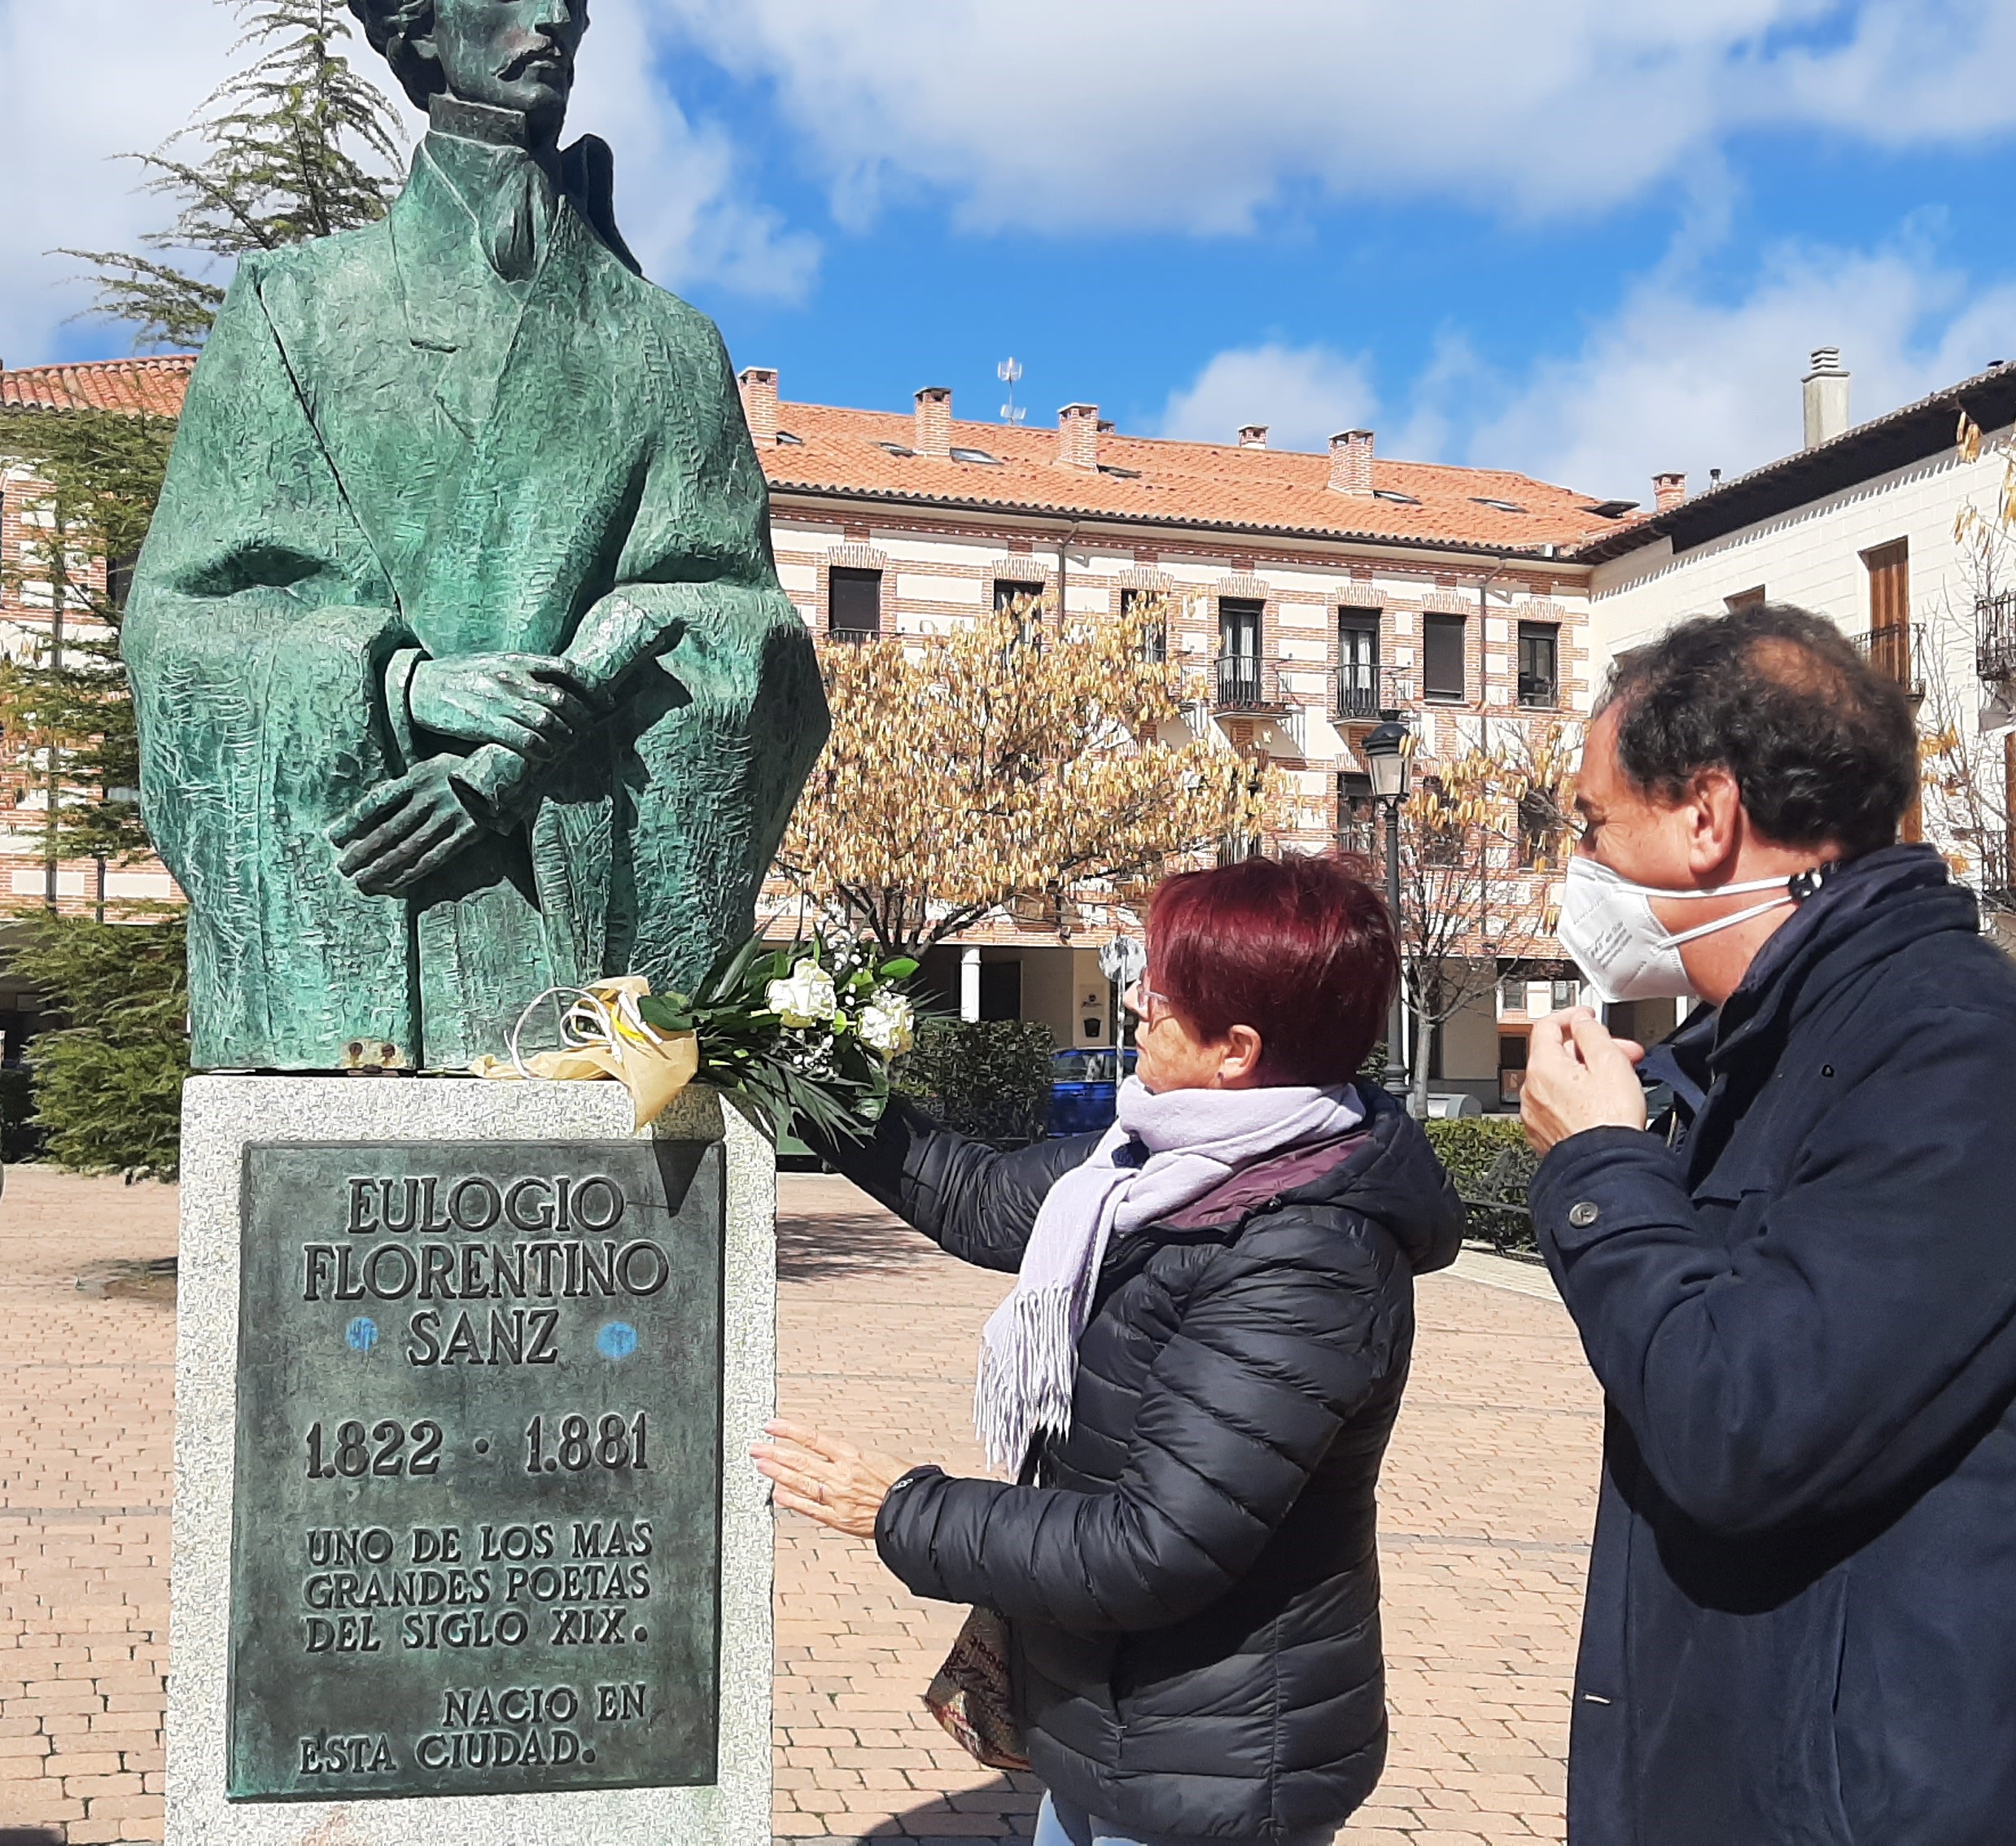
column 461, row 664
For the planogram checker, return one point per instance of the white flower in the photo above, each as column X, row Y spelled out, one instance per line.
column 807, row 998
column 888, row 1025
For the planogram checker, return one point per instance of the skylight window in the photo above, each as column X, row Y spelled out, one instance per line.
column 979, row 455
column 1398, row 499
column 1497, row 505
column 785, row 437
column 895, row 449
column 1122, row 474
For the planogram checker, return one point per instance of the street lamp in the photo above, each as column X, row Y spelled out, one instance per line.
column 1388, row 753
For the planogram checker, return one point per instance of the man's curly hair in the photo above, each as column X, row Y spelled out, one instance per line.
column 391, row 26
column 1819, row 741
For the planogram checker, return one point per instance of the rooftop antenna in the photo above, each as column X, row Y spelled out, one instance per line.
column 1009, row 372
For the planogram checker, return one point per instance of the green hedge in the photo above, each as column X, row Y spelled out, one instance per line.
column 990, row 1078
column 108, row 1086
column 1488, row 1157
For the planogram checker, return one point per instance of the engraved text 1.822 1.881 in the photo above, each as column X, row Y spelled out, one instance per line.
column 475, row 1542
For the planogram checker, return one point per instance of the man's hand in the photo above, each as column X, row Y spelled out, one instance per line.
column 530, row 703
column 825, row 1478
column 403, row 830
column 1578, row 1076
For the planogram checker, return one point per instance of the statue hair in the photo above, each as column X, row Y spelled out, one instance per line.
column 391, row 26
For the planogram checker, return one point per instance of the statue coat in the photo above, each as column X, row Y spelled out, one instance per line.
column 388, row 451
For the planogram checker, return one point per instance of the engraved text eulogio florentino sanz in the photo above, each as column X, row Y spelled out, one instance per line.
column 476, row 1541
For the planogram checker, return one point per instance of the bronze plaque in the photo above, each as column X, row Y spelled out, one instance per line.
column 476, row 1541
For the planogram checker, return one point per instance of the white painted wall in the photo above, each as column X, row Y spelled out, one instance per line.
column 1812, row 556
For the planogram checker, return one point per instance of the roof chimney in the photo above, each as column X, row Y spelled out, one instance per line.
column 1668, row 491
column 1827, row 389
column 934, row 421
column 759, row 386
column 1351, row 461
column 1077, row 436
column 1253, row 436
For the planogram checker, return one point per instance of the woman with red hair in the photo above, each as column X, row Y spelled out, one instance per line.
column 1192, row 1384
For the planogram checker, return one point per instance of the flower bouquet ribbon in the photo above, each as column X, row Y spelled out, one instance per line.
column 805, row 1032
column 604, row 1034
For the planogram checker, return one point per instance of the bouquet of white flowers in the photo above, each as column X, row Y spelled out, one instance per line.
column 806, row 1032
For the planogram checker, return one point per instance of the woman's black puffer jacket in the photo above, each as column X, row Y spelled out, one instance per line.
column 1192, row 1581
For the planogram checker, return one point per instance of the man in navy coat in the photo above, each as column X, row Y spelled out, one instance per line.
column 1799, row 1289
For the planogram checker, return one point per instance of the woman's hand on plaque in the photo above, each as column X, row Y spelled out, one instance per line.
column 405, row 830
column 528, row 702
column 825, row 1478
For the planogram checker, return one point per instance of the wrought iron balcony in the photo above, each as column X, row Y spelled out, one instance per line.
column 1897, row 651
column 1359, row 692
column 1995, row 636
column 1359, row 832
column 1244, row 682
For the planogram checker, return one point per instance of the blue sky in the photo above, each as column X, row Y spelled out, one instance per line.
column 1588, row 238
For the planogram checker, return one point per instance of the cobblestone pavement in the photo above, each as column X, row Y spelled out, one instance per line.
column 1485, row 1514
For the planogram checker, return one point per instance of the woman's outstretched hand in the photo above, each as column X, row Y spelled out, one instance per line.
column 827, row 1479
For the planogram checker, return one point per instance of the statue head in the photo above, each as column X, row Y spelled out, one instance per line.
column 514, row 55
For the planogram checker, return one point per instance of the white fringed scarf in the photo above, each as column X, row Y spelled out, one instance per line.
column 1162, row 1152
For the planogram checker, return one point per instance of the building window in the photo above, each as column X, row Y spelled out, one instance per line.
column 1009, row 591
column 1239, row 620
column 1511, row 1066
column 853, row 605
column 119, row 580
column 1000, row 990
column 1540, row 831
column 1889, row 568
column 1539, row 665
column 1442, row 658
column 1888, row 646
column 1357, row 816
column 1155, row 641
column 1752, row 598
column 1358, row 663
column 1441, row 838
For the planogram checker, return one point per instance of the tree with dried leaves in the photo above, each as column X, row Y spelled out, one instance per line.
column 1483, row 837
column 294, row 146
column 1012, row 762
column 1969, row 758
column 95, row 477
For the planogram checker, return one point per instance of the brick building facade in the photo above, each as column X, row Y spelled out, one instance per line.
column 1311, row 592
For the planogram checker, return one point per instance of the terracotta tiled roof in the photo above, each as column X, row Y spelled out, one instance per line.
column 1140, row 479
column 152, row 386
column 1144, row 479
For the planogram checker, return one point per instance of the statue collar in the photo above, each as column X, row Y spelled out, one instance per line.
column 478, row 122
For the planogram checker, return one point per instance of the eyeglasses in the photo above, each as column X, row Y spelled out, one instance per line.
column 1153, row 1007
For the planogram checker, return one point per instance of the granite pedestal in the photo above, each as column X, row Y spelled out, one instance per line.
column 468, row 1547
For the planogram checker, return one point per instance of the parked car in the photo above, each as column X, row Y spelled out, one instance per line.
column 1084, row 1086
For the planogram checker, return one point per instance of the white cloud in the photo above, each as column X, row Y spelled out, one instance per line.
column 88, row 80
column 1680, row 379
column 681, row 198
column 1304, row 394
column 1194, row 114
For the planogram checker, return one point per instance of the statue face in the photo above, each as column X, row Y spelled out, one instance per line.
column 511, row 53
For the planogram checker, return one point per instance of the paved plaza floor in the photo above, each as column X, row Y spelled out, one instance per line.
column 1486, row 1507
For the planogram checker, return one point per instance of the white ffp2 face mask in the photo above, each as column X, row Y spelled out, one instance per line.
column 1626, row 952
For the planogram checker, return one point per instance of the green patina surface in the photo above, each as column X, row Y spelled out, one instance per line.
column 472, row 428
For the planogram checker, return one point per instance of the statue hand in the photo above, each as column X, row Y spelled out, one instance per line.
column 405, row 830
column 530, row 703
